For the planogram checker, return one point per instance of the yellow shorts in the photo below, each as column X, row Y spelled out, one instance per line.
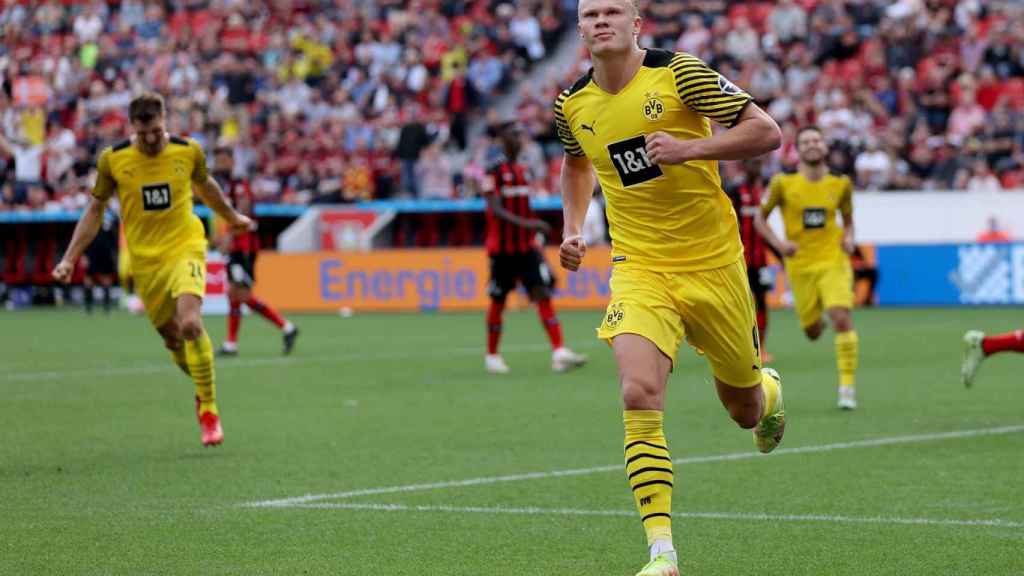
column 818, row 290
column 160, row 287
column 712, row 309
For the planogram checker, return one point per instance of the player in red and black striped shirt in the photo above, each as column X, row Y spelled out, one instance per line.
column 512, row 230
column 242, row 249
column 746, row 200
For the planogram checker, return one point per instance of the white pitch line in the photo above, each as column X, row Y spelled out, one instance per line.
column 286, row 502
column 537, row 511
column 152, row 368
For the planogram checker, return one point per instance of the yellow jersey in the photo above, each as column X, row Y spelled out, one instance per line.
column 809, row 214
column 661, row 217
column 155, row 193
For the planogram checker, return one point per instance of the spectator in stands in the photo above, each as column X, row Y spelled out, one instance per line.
column 788, row 22
column 873, row 167
column 696, row 38
column 743, row 42
column 28, row 165
column 982, row 179
column 433, row 171
column 266, row 75
column 412, row 139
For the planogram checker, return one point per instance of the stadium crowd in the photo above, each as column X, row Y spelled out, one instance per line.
column 323, row 101
column 337, row 101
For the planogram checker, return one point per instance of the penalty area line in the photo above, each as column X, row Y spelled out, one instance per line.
column 822, row 448
column 740, row 516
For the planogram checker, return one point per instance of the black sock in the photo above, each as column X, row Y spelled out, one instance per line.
column 88, row 296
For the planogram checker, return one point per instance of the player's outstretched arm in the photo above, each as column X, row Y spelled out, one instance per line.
column 780, row 246
column 577, row 181
column 774, row 199
column 753, row 134
column 529, row 223
column 85, row 232
column 213, row 197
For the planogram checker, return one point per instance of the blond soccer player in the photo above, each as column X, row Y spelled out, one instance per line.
column 154, row 176
column 640, row 120
column 817, row 250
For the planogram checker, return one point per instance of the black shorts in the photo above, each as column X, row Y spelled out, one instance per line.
column 241, row 269
column 761, row 281
column 101, row 260
column 529, row 269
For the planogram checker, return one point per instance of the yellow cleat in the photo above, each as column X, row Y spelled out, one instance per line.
column 661, row 565
column 769, row 431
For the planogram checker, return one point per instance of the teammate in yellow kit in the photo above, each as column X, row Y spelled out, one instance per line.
column 817, row 251
column 640, row 120
column 154, row 176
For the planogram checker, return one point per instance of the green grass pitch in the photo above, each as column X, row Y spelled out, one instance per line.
column 380, row 420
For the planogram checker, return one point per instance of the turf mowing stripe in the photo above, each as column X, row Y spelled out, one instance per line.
column 530, row 511
column 146, row 369
column 285, row 502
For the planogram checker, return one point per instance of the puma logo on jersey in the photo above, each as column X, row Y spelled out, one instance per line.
column 591, row 127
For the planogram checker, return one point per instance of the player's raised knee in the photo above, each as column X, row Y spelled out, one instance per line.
column 641, row 392
column 842, row 321
column 191, row 328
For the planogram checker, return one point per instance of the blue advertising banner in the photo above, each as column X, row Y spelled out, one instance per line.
column 950, row 274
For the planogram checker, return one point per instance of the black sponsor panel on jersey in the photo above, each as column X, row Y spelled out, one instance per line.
column 631, row 161
column 156, row 197
column 814, row 218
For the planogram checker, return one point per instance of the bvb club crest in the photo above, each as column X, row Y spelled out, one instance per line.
column 654, row 108
column 614, row 316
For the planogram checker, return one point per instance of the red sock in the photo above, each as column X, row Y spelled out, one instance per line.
column 261, row 308
column 494, row 325
column 762, row 324
column 234, row 321
column 547, row 316
column 1009, row 342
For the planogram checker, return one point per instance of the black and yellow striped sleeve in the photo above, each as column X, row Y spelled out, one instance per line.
column 569, row 142
column 707, row 92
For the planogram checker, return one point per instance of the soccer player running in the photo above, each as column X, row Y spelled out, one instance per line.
column 154, row 176
column 512, row 228
column 746, row 201
column 978, row 346
column 242, row 249
column 640, row 119
column 817, row 251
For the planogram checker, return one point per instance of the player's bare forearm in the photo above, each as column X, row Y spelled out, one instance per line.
column 213, row 197
column 766, row 232
column 502, row 214
column 849, row 234
column 755, row 133
column 577, row 182
column 85, row 230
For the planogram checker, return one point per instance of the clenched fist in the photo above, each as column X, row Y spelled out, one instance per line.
column 62, row 272
column 665, row 149
column 571, row 253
